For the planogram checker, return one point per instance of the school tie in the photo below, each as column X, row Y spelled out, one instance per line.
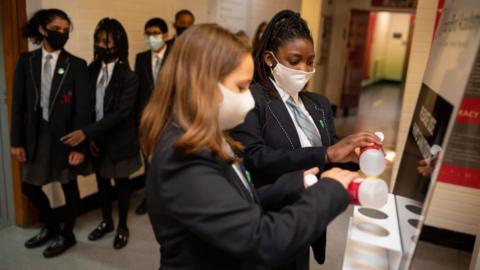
column 100, row 93
column 46, row 86
column 305, row 124
column 157, row 68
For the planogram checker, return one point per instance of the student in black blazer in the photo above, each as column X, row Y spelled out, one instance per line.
column 50, row 99
column 149, row 62
column 184, row 18
column 147, row 67
column 204, row 211
column 113, row 135
column 291, row 129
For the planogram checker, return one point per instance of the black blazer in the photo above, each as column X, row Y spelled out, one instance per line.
column 69, row 103
column 143, row 69
column 272, row 145
column 204, row 217
column 116, row 133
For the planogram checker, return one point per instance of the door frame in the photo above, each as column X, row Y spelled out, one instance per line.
column 13, row 14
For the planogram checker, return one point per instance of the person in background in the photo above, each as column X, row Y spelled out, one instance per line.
column 50, row 99
column 290, row 128
column 183, row 20
column 113, row 136
column 204, row 211
column 147, row 67
column 257, row 37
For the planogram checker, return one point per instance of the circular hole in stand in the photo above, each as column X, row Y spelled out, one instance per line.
column 372, row 213
column 414, row 209
column 413, row 222
column 364, row 265
column 373, row 229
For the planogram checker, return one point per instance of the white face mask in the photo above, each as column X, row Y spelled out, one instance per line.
column 290, row 80
column 234, row 107
column 155, row 42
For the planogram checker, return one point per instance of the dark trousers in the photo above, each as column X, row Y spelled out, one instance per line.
column 45, row 211
column 105, row 190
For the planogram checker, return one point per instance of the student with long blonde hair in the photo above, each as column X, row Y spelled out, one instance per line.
column 204, row 211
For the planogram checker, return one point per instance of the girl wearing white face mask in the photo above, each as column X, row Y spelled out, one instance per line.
column 204, row 211
column 291, row 129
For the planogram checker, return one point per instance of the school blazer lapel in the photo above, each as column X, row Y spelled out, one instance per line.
column 318, row 115
column 109, row 90
column 235, row 180
column 147, row 61
column 35, row 62
column 280, row 114
column 61, row 70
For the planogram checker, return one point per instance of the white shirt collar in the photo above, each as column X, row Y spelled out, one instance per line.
column 283, row 94
column 54, row 54
column 161, row 53
column 109, row 65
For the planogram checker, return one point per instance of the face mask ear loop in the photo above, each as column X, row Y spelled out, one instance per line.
column 274, row 57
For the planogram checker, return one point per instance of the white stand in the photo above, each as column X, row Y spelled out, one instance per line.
column 374, row 243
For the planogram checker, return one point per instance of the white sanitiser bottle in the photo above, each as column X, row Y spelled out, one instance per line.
column 372, row 193
column 372, row 159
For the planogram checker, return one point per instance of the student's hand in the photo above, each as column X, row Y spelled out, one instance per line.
column 94, row 149
column 347, row 149
column 74, row 138
column 75, row 158
column 314, row 171
column 344, row 177
column 312, row 180
column 19, row 153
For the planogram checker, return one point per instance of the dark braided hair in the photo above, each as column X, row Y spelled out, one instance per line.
column 115, row 30
column 285, row 26
column 42, row 18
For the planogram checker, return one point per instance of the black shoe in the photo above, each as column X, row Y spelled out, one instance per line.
column 103, row 228
column 121, row 239
column 59, row 245
column 141, row 208
column 40, row 239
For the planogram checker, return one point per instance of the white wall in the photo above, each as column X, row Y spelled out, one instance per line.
column 396, row 48
column 341, row 18
column 85, row 15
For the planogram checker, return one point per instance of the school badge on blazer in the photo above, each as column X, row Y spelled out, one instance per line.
column 66, row 98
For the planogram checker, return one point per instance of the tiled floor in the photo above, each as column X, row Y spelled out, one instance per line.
column 142, row 250
column 378, row 110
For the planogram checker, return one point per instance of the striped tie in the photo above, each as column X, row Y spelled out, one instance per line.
column 100, row 93
column 305, row 124
column 46, row 86
column 157, row 68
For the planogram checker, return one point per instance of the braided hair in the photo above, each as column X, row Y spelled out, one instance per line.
column 42, row 18
column 285, row 26
column 115, row 30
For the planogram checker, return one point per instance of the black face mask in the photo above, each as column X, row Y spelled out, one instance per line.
column 104, row 54
column 180, row 29
column 56, row 40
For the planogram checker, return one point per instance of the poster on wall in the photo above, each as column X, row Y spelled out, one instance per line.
column 461, row 165
column 395, row 3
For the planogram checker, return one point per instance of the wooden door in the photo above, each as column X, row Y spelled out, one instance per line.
column 356, row 43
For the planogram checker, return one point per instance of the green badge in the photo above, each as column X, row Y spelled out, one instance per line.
column 60, row 71
column 249, row 178
column 322, row 124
